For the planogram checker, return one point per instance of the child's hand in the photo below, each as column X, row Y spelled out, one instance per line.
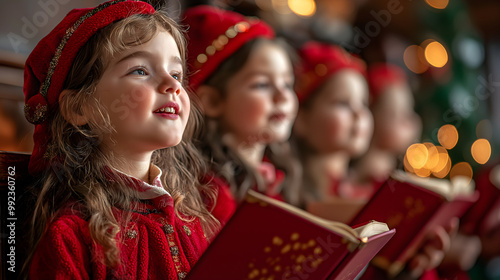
column 433, row 249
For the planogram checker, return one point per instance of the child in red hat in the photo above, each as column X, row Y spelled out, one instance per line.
column 119, row 195
column 396, row 125
column 334, row 125
column 244, row 79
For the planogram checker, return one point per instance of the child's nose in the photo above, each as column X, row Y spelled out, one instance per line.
column 169, row 84
column 280, row 94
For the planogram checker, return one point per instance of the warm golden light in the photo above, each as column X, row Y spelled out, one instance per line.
column 436, row 54
column 414, row 58
column 423, row 172
column 461, row 169
column 448, row 136
column 438, row 4
column 417, row 155
column 433, row 156
column 407, row 165
column 443, row 172
column 481, row 151
column 443, row 160
column 305, row 8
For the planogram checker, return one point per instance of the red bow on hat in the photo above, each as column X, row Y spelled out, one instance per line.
column 49, row 63
column 319, row 61
column 381, row 75
column 214, row 35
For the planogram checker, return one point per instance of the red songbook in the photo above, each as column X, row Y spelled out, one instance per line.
column 484, row 217
column 269, row 239
column 413, row 206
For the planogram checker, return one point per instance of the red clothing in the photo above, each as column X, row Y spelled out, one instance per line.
column 226, row 203
column 155, row 244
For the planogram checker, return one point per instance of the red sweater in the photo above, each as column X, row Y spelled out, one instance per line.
column 226, row 203
column 155, row 244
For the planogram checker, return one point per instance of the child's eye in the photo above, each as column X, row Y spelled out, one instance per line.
column 139, row 71
column 260, row 86
column 177, row 76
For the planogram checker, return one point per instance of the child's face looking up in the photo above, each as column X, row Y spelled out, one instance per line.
column 141, row 91
column 338, row 118
column 260, row 104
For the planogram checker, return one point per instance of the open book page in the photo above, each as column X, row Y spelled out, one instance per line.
column 336, row 209
column 447, row 188
column 340, row 228
column 371, row 228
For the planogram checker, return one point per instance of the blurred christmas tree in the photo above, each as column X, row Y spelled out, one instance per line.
column 455, row 88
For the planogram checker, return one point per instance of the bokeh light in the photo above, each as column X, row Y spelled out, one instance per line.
column 438, row 4
column 433, row 156
column 304, row 8
column 407, row 165
column 448, row 136
column 441, row 173
column 443, row 160
column 461, row 169
column 435, row 54
column 414, row 58
column 481, row 151
column 417, row 155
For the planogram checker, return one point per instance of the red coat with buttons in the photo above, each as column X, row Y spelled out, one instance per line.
column 155, row 244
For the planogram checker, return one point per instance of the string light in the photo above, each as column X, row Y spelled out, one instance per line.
column 481, row 151
column 305, row 8
column 436, row 54
column 414, row 58
column 448, row 136
column 461, row 169
column 417, row 155
column 438, row 4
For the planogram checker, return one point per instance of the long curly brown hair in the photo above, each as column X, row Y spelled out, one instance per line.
column 77, row 159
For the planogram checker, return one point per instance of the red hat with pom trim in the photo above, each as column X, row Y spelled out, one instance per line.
column 50, row 61
column 319, row 61
column 214, row 35
column 381, row 75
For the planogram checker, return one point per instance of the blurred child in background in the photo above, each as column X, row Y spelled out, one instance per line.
column 396, row 125
column 334, row 125
column 244, row 78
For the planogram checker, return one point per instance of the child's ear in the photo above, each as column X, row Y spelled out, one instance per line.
column 69, row 112
column 211, row 101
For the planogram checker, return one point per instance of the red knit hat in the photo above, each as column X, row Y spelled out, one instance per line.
column 49, row 63
column 319, row 61
column 381, row 75
column 214, row 35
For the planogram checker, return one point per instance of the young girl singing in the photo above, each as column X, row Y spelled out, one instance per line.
column 244, row 79
column 118, row 195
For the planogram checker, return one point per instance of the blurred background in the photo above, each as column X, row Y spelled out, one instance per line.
column 450, row 50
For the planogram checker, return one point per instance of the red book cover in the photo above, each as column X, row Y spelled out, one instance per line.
column 484, row 216
column 406, row 204
column 269, row 239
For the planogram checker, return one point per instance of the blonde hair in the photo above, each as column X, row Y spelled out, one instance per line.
column 78, row 161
